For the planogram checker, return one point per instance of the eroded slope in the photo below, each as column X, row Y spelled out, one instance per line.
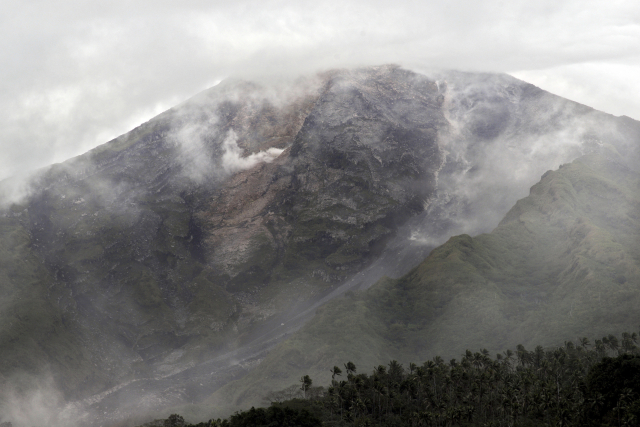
column 562, row 264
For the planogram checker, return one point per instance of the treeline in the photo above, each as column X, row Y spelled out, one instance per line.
column 578, row 384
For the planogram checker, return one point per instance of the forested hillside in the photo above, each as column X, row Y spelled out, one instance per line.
column 586, row 383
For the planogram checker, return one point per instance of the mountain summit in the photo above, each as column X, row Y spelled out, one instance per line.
column 171, row 260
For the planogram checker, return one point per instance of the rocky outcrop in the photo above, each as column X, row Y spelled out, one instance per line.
column 363, row 161
column 190, row 235
column 186, row 232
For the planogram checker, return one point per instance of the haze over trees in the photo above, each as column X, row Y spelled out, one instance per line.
column 261, row 237
column 578, row 384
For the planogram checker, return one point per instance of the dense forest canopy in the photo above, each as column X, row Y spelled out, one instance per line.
column 578, row 384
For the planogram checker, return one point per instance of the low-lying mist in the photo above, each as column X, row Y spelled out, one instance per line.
column 504, row 134
column 36, row 401
column 500, row 136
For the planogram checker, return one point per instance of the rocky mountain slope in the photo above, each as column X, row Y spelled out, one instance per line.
column 564, row 263
column 169, row 244
column 158, row 253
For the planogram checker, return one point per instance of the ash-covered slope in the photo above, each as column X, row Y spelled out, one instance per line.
column 199, row 231
column 564, row 263
column 169, row 244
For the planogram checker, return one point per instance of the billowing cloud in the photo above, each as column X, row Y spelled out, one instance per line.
column 233, row 160
column 40, row 404
column 76, row 74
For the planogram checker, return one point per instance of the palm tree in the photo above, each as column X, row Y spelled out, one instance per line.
column 335, row 371
column 350, row 368
column 522, row 354
column 306, row 383
column 395, row 370
column 584, row 342
column 508, row 357
column 628, row 343
column 601, row 347
column 613, row 343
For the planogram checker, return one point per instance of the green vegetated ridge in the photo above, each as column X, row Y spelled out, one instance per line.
column 563, row 263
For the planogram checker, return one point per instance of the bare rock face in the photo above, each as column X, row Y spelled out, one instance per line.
column 238, row 222
column 361, row 163
column 187, row 237
column 191, row 229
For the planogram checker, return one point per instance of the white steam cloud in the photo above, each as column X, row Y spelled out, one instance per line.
column 232, row 160
column 75, row 76
column 195, row 154
column 42, row 405
column 485, row 174
column 15, row 190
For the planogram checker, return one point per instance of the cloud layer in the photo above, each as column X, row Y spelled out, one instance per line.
column 77, row 74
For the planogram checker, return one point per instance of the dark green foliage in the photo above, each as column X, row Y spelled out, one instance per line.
column 305, row 384
column 313, row 404
column 174, row 420
column 572, row 385
column 613, row 388
column 273, row 416
column 335, row 371
column 521, row 388
column 293, row 413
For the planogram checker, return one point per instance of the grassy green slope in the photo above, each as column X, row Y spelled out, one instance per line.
column 563, row 263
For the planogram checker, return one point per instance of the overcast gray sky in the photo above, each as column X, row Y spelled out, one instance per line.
column 75, row 73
